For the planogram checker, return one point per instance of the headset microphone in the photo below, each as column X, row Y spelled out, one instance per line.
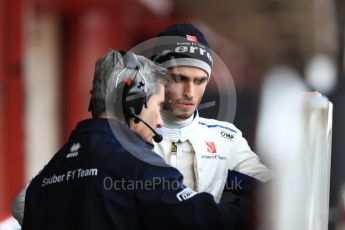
column 157, row 137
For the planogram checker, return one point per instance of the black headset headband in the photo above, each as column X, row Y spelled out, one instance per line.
column 130, row 60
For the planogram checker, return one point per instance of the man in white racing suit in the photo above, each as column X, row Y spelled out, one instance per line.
column 212, row 155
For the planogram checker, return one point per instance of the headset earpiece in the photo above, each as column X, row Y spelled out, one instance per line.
column 134, row 92
column 133, row 98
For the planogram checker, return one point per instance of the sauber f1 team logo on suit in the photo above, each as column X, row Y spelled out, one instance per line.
column 211, row 147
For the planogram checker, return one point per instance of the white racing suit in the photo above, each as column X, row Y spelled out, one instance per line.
column 223, row 159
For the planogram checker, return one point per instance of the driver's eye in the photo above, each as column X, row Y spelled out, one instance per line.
column 200, row 81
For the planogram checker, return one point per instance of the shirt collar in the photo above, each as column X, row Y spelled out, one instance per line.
column 104, row 125
column 170, row 120
column 179, row 134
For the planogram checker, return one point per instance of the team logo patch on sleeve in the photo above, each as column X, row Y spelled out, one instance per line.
column 185, row 194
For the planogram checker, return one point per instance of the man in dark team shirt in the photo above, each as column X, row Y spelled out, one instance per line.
column 107, row 177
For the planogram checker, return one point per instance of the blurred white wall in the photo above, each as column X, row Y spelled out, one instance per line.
column 42, row 87
column 294, row 135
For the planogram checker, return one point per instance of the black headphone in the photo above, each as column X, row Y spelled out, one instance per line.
column 134, row 93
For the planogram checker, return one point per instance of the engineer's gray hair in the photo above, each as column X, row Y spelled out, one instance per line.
column 108, row 68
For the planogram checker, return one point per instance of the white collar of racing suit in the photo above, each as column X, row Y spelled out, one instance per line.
column 180, row 134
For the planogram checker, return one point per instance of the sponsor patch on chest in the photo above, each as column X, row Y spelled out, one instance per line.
column 212, row 148
column 226, row 135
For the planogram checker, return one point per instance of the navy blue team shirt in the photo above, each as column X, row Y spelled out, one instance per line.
column 93, row 182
